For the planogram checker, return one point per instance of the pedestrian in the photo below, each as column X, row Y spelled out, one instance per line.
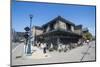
column 44, row 49
column 43, row 46
column 87, row 42
column 60, row 47
column 39, row 44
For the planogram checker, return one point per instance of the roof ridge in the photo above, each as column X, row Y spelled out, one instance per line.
column 59, row 18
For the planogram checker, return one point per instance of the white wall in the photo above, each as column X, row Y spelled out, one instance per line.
column 36, row 31
column 72, row 28
column 62, row 25
column 48, row 28
column 56, row 25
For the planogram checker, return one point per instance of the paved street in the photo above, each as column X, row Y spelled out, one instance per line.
column 14, row 45
column 82, row 53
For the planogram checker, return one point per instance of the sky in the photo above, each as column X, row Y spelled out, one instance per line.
column 44, row 12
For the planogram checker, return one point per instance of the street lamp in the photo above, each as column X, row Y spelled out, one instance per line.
column 31, row 16
column 29, row 44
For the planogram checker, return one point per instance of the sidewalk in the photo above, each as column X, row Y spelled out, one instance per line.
column 37, row 54
column 74, row 55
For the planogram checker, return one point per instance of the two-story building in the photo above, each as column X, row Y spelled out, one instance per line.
column 58, row 30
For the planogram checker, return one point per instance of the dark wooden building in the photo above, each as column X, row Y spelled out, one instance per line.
column 59, row 30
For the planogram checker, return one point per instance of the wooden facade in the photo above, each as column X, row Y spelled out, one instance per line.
column 59, row 29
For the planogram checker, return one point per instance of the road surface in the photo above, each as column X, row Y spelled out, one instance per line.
column 82, row 53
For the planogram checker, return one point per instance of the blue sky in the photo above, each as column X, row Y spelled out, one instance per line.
column 43, row 13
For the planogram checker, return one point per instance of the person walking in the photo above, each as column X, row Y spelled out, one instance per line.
column 87, row 41
column 43, row 46
column 44, row 49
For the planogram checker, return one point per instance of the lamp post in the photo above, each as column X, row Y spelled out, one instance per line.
column 31, row 16
column 29, row 44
